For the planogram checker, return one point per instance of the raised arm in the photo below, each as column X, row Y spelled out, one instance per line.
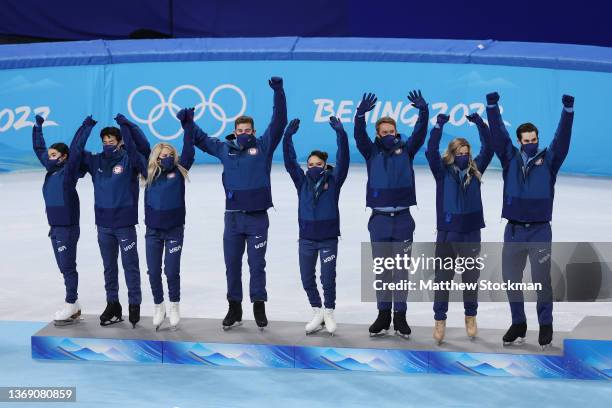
column 500, row 138
column 210, row 145
column 140, row 140
column 73, row 173
column 486, row 150
column 364, row 143
column 559, row 146
column 188, row 154
column 291, row 164
column 419, row 133
column 342, row 154
column 137, row 160
column 433, row 146
column 38, row 141
column 274, row 132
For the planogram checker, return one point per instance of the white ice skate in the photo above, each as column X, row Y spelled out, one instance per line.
column 174, row 314
column 70, row 313
column 159, row 315
column 330, row 321
column 316, row 323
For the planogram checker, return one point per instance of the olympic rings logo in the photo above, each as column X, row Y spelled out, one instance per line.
column 158, row 110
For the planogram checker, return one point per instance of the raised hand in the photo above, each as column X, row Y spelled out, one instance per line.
column 492, row 98
column 368, row 101
column 185, row 115
column 474, row 118
column 292, row 127
column 568, row 101
column 335, row 123
column 39, row 120
column 441, row 119
column 417, row 100
column 121, row 120
column 276, row 83
column 89, row 121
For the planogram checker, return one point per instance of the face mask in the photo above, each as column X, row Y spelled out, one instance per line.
column 108, row 149
column 54, row 164
column 167, row 163
column 462, row 161
column 315, row 173
column 530, row 149
column 244, row 140
column 389, row 141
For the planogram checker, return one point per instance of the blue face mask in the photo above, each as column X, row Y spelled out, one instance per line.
column 530, row 149
column 167, row 163
column 245, row 140
column 462, row 161
column 389, row 141
column 54, row 164
column 315, row 173
column 108, row 149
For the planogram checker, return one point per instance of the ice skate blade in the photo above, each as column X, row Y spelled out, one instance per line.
column 68, row 322
column 545, row 347
column 380, row 333
column 402, row 335
column 236, row 324
column 174, row 328
column 519, row 341
column 112, row 321
column 318, row 329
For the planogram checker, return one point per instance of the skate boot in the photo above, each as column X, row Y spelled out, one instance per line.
column 330, row 321
column 470, row 326
column 515, row 334
column 174, row 314
column 259, row 312
column 400, row 325
column 381, row 324
column 159, row 315
column 316, row 323
column 70, row 313
column 233, row 316
column 112, row 314
column 545, row 336
column 134, row 315
column 439, row 331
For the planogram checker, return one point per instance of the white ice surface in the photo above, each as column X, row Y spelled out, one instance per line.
column 31, row 287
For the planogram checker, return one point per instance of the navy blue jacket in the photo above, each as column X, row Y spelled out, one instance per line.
column 318, row 214
column 246, row 172
column 458, row 206
column 59, row 189
column 529, row 190
column 115, row 181
column 390, row 172
column 165, row 197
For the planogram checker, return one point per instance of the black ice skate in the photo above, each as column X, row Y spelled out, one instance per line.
column 546, row 335
column 259, row 312
column 233, row 316
column 515, row 334
column 134, row 314
column 112, row 314
column 400, row 325
column 381, row 324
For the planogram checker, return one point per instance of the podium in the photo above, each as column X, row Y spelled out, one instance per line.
column 583, row 353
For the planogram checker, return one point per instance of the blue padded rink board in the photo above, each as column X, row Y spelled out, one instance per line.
column 583, row 353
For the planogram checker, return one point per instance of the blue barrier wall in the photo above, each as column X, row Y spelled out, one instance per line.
column 148, row 80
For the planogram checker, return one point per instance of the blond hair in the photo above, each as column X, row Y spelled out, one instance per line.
column 154, row 169
column 449, row 158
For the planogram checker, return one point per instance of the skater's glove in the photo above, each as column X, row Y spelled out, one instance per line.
column 185, row 115
column 39, row 120
column 276, row 83
column 441, row 119
column 89, row 121
column 368, row 101
column 475, row 118
column 335, row 123
column 568, row 101
column 417, row 100
column 292, row 128
column 121, row 120
column 492, row 98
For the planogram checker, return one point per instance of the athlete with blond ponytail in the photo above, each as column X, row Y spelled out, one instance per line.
column 165, row 221
column 459, row 213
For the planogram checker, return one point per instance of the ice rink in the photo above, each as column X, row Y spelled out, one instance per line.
column 32, row 288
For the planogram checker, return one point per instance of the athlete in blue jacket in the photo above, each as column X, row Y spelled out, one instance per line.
column 390, row 193
column 459, row 213
column 165, row 220
column 530, row 174
column 247, row 162
column 62, row 207
column 114, row 173
column 319, row 220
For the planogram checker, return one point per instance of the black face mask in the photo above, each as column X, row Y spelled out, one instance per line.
column 54, row 164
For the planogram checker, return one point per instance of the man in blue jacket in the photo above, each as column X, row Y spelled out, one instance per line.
column 390, row 193
column 529, row 174
column 247, row 162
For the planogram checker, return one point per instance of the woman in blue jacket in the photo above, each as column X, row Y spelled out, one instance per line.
column 165, row 221
column 459, row 213
column 62, row 207
column 319, row 220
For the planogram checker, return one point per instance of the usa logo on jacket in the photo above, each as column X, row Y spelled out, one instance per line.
column 118, row 169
